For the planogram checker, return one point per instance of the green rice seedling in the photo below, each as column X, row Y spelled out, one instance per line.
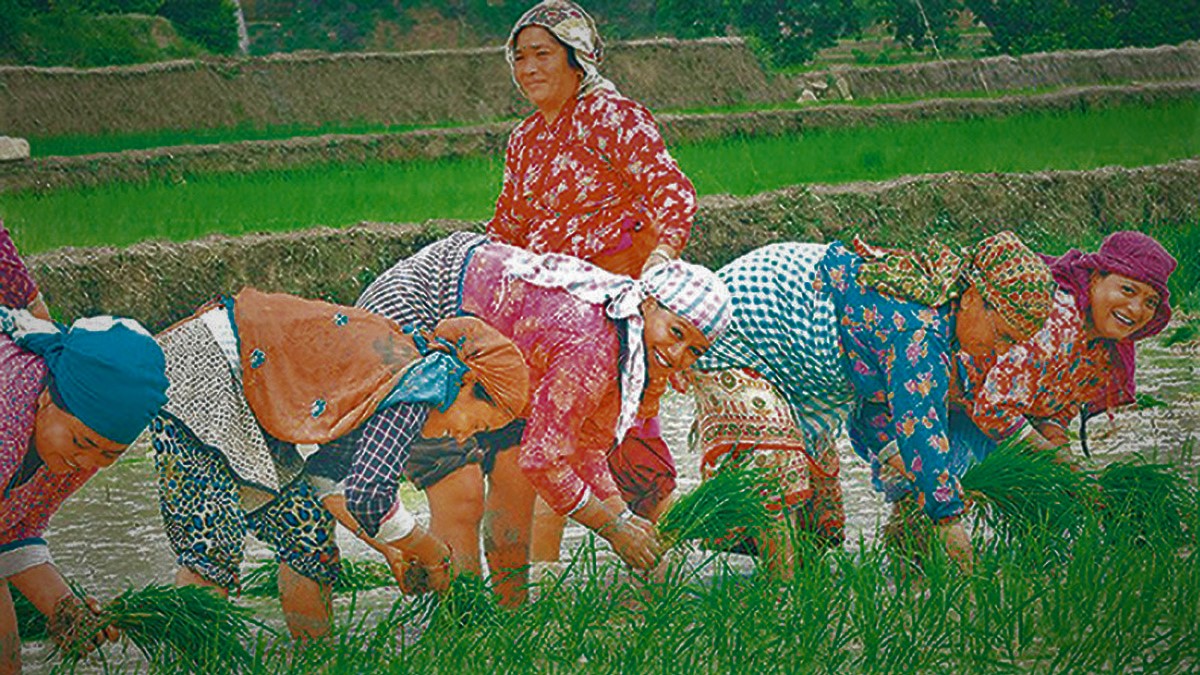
column 1147, row 504
column 732, row 499
column 184, row 629
column 1148, row 401
column 1023, row 491
column 31, row 624
column 468, row 602
column 356, row 575
column 1188, row 331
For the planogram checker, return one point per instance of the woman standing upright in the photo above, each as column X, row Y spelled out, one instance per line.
column 588, row 175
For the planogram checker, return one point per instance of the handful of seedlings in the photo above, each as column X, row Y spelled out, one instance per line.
column 1023, row 488
column 734, row 499
column 186, row 629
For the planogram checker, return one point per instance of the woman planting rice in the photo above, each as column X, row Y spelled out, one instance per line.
column 588, row 175
column 1082, row 360
column 71, row 402
column 592, row 341
column 255, row 375
column 820, row 335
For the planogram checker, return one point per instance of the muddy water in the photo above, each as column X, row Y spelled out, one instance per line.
column 108, row 537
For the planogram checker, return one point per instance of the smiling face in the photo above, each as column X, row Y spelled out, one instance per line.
column 467, row 416
column 981, row 331
column 1120, row 306
column 66, row 444
column 672, row 343
column 540, row 66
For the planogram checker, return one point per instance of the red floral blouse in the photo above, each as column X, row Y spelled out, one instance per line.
column 1046, row 378
column 596, row 183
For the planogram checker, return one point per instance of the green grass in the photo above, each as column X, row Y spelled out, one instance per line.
column 52, row 146
column 73, row 145
column 119, row 215
column 1120, row 594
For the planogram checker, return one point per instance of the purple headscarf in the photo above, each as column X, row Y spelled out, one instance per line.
column 1130, row 254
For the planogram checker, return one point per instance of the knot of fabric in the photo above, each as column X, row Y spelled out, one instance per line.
column 931, row 277
column 463, row 349
column 435, row 378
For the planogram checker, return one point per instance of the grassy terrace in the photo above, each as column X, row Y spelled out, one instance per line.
column 55, row 146
column 119, row 215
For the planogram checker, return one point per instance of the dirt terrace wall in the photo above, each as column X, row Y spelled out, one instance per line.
column 1004, row 73
column 160, row 283
column 394, row 88
column 173, row 164
column 471, row 86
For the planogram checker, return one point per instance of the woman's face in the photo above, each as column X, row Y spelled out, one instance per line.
column 982, row 332
column 672, row 343
column 540, row 67
column 65, row 444
column 467, row 416
column 1120, row 306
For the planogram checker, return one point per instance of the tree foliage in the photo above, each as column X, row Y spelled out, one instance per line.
column 1024, row 26
column 920, row 23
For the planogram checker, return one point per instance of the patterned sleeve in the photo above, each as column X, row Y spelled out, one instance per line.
column 17, row 288
column 570, row 392
column 639, row 152
column 997, row 405
column 1024, row 377
column 504, row 226
column 378, row 462
column 918, row 384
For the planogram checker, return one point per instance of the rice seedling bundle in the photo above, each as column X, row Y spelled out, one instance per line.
column 189, row 629
column 1148, row 503
column 733, row 499
column 1023, row 489
column 467, row 602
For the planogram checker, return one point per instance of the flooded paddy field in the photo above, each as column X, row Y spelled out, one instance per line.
column 109, row 536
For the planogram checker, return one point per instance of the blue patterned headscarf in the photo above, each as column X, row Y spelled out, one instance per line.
column 108, row 372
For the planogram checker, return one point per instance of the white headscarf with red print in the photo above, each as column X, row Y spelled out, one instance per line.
column 573, row 27
column 691, row 291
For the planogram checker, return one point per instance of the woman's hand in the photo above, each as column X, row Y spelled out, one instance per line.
column 77, row 625
column 420, row 562
column 958, row 544
column 635, row 539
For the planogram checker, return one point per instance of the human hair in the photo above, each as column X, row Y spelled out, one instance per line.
column 482, row 394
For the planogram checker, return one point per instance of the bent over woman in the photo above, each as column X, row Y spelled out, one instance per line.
column 255, row 375
column 592, row 341
column 71, row 401
column 1081, row 363
column 826, row 329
